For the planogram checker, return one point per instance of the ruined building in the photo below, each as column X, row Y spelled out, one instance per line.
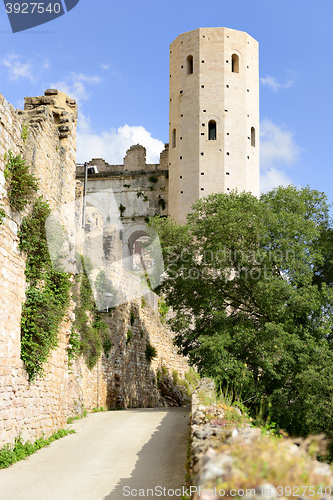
column 213, row 129
column 213, row 147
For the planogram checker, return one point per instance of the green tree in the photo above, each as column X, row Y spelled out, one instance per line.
column 249, row 282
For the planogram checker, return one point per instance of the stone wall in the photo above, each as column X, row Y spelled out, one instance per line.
column 24, row 407
column 124, row 378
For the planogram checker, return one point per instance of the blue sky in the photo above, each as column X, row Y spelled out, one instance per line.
column 113, row 58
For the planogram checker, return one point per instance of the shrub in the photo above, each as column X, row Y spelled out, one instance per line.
column 2, row 215
column 129, row 336
column 47, row 296
column 12, row 453
column 90, row 334
column 150, row 352
column 22, row 185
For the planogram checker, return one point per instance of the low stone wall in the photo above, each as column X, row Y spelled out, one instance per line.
column 214, row 468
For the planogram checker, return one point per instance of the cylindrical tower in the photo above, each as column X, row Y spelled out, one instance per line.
column 214, row 116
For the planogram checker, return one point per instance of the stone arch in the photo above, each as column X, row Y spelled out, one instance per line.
column 129, row 237
column 189, row 65
column 235, row 63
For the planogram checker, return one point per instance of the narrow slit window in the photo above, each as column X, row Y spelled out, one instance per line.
column 174, row 138
column 189, row 65
column 212, row 130
column 253, row 136
column 235, row 63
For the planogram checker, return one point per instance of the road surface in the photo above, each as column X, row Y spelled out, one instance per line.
column 113, row 455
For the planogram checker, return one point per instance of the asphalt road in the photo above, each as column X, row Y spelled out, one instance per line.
column 113, row 455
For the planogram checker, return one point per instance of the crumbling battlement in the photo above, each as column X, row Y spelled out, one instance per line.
column 134, row 162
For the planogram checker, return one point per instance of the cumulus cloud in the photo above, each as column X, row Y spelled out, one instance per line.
column 75, row 85
column 277, row 150
column 272, row 178
column 19, row 67
column 275, row 85
column 112, row 144
column 277, row 145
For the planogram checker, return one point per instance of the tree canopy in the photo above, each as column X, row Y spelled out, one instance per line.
column 250, row 284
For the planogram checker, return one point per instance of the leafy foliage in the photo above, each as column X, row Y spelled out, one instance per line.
column 121, row 209
column 250, row 282
column 22, row 185
column 10, row 454
column 24, row 133
column 90, row 334
column 104, row 288
column 163, row 309
column 2, row 214
column 150, row 352
column 47, row 296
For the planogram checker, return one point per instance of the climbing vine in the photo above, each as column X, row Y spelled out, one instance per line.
column 2, row 214
column 22, row 185
column 90, row 334
column 47, row 296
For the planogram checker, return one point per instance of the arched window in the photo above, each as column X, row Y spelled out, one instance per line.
column 235, row 63
column 253, row 136
column 189, row 65
column 174, row 139
column 212, row 130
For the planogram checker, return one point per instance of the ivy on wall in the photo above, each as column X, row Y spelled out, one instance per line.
column 22, row 185
column 2, row 214
column 47, row 297
column 90, row 334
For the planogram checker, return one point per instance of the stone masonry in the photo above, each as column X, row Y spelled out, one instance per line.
column 124, row 378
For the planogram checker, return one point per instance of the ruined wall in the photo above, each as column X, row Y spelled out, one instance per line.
column 139, row 187
column 24, row 407
column 125, row 377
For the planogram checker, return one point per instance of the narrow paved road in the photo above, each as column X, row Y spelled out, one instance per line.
column 111, row 456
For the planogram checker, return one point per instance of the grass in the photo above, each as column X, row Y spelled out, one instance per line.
column 70, row 420
column 270, row 460
column 20, row 450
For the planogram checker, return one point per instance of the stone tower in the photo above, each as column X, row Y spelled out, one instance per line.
column 214, row 116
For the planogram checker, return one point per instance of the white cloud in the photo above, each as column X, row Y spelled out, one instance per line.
column 275, row 85
column 75, row 85
column 277, row 150
column 112, row 144
column 272, row 178
column 20, row 67
column 16, row 68
column 105, row 66
column 277, row 145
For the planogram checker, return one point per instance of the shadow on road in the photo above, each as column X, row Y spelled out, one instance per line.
column 161, row 462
